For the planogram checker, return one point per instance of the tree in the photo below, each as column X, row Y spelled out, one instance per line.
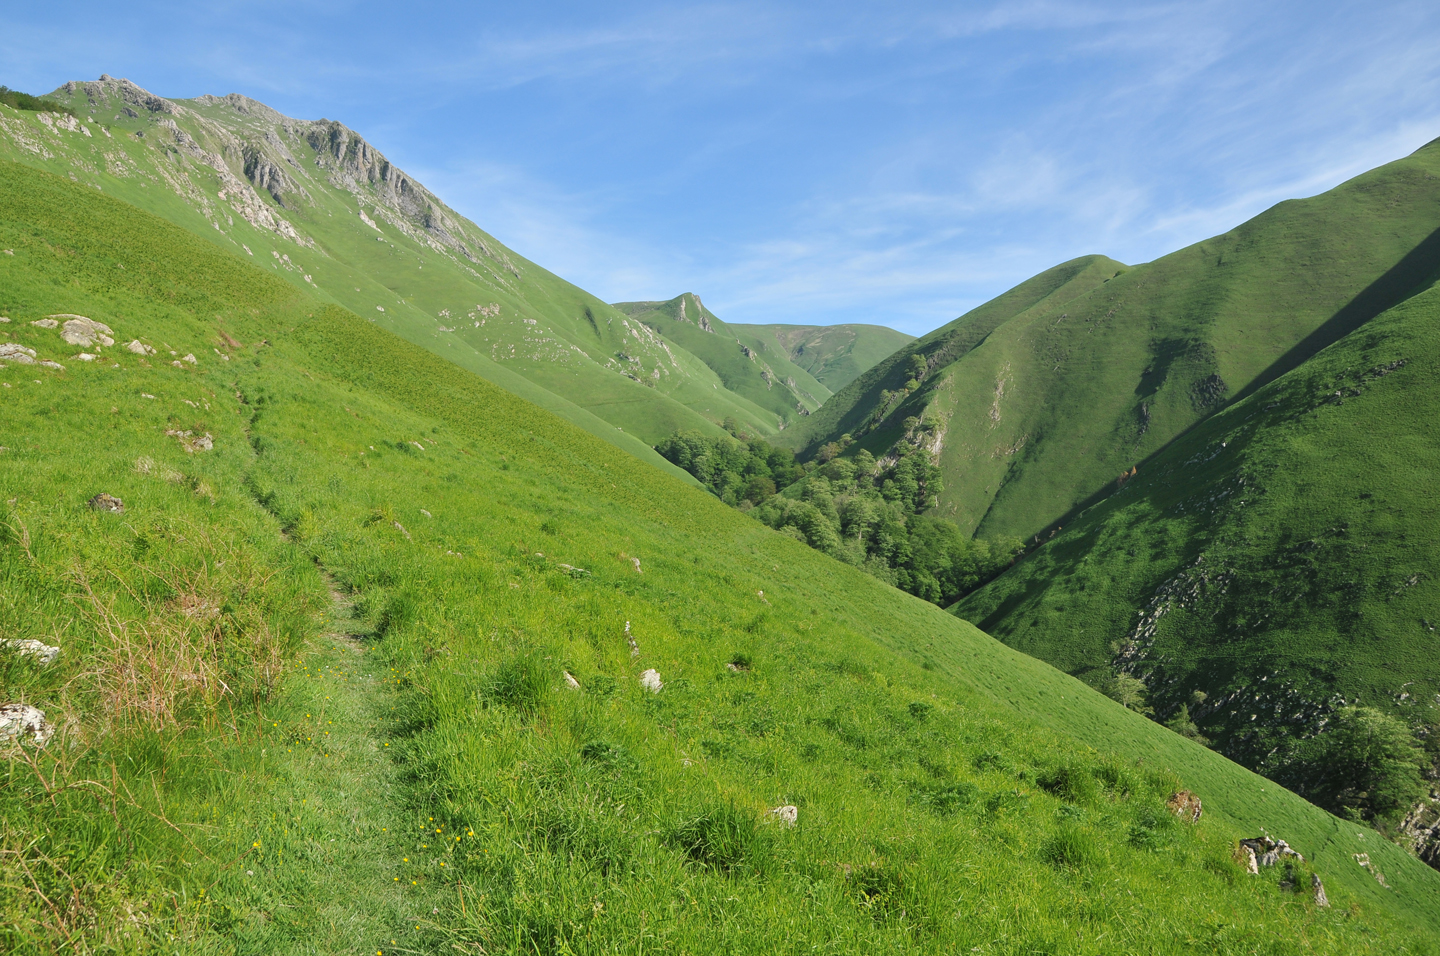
column 1369, row 764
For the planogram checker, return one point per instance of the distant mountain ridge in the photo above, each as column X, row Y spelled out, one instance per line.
column 835, row 354
column 327, row 211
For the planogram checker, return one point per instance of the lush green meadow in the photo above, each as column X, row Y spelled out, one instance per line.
column 835, row 355
column 233, row 773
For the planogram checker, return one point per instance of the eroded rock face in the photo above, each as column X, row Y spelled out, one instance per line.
column 26, row 647
column 1421, row 828
column 84, row 332
column 21, row 723
column 106, row 502
column 1269, row 850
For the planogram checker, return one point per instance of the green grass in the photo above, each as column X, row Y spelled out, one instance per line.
column 835, row 355
column 1048, row 393
column 486, row 547
column 1287, row 540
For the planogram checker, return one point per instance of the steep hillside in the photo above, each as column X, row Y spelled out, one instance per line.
column 379, row 657
column 1278, row 559
column 746, row 365
column 835, row 354
column 1044, row 396
column 317, row 205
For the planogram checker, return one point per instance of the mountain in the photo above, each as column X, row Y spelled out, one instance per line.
column 317, row 205
column 359, row 652
column 746, row 364
column 1269, row 567
column 835, row 354
column 1040, row 398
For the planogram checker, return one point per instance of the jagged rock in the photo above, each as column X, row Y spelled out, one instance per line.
column 571, row 682
column 1421, row 828
column 45, row 323
column 139, row 348
column 106, row 502
column 191, row 442
column 1318, row 889
column 17, row 353
column 43, row 653
column 1185, row 805
column 190, row 357
column 650, row 680
column 1269, row 850
column 786, row 815
column 84, row 332
column 1252, row 864
column 19, row 720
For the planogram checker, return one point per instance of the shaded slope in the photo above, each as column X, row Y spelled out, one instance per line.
column 835, row 355
column 924, row 757
column 747, row 366
column 1279, row 557
column 320, row 207
column 1061, row 398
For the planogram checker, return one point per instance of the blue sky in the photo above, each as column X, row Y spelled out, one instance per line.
column 894, row 163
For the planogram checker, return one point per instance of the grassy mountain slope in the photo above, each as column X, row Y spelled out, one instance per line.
column 320, row 207
column 1061, row 397
column 835, row 354
column 747, row 367
column 1278, row 557
column 228, row 779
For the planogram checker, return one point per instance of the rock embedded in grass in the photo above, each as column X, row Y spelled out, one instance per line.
column 787, row 815
column 25, row 647
column 139, row 348
column 14, row 352
column 45, row 323
column 106, row 502
column 19, row 720
column 84, row 332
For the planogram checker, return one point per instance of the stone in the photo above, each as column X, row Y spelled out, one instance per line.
column 19, row 720
column 83, row 357
column 190, row 357
column 1252, row 865
column 191, row 442
column 571, row 682
column 1318, row 889
column 54, row 365
column 42, row 652
column 107, row 502
column 84, row 332
column 139, row 348
column 1185, row 805
column 14, row 352
column 786, row 816
column 650, row 680
column 45, row 323
column 1270, row 850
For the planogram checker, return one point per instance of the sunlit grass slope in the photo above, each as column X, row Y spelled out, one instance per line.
column 1276, row 556
column 317, row 205
column 835, row 354
column 1067, row 391
column 227, row 779
column 746, row 364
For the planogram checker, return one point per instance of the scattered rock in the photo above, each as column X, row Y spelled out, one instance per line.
column 139, row 348
column 636, row 562
column 1319, row 890
column 786, row 815
column 54, row 365
column 83, row 357
column 43, row 653
column 1364, row 860
column 84, row 332
column 630, row 639
column 190, row 357
column 573, row 571
column 650, row 680
column 18, row 720
column 45, row 323
column 1185, row 805
column 191, row 442
column 1252, row 865
column 426, row 513
column 178, row 364
column 571, row 682
column 107, row 502
column 14, row 352
column 3, row 319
